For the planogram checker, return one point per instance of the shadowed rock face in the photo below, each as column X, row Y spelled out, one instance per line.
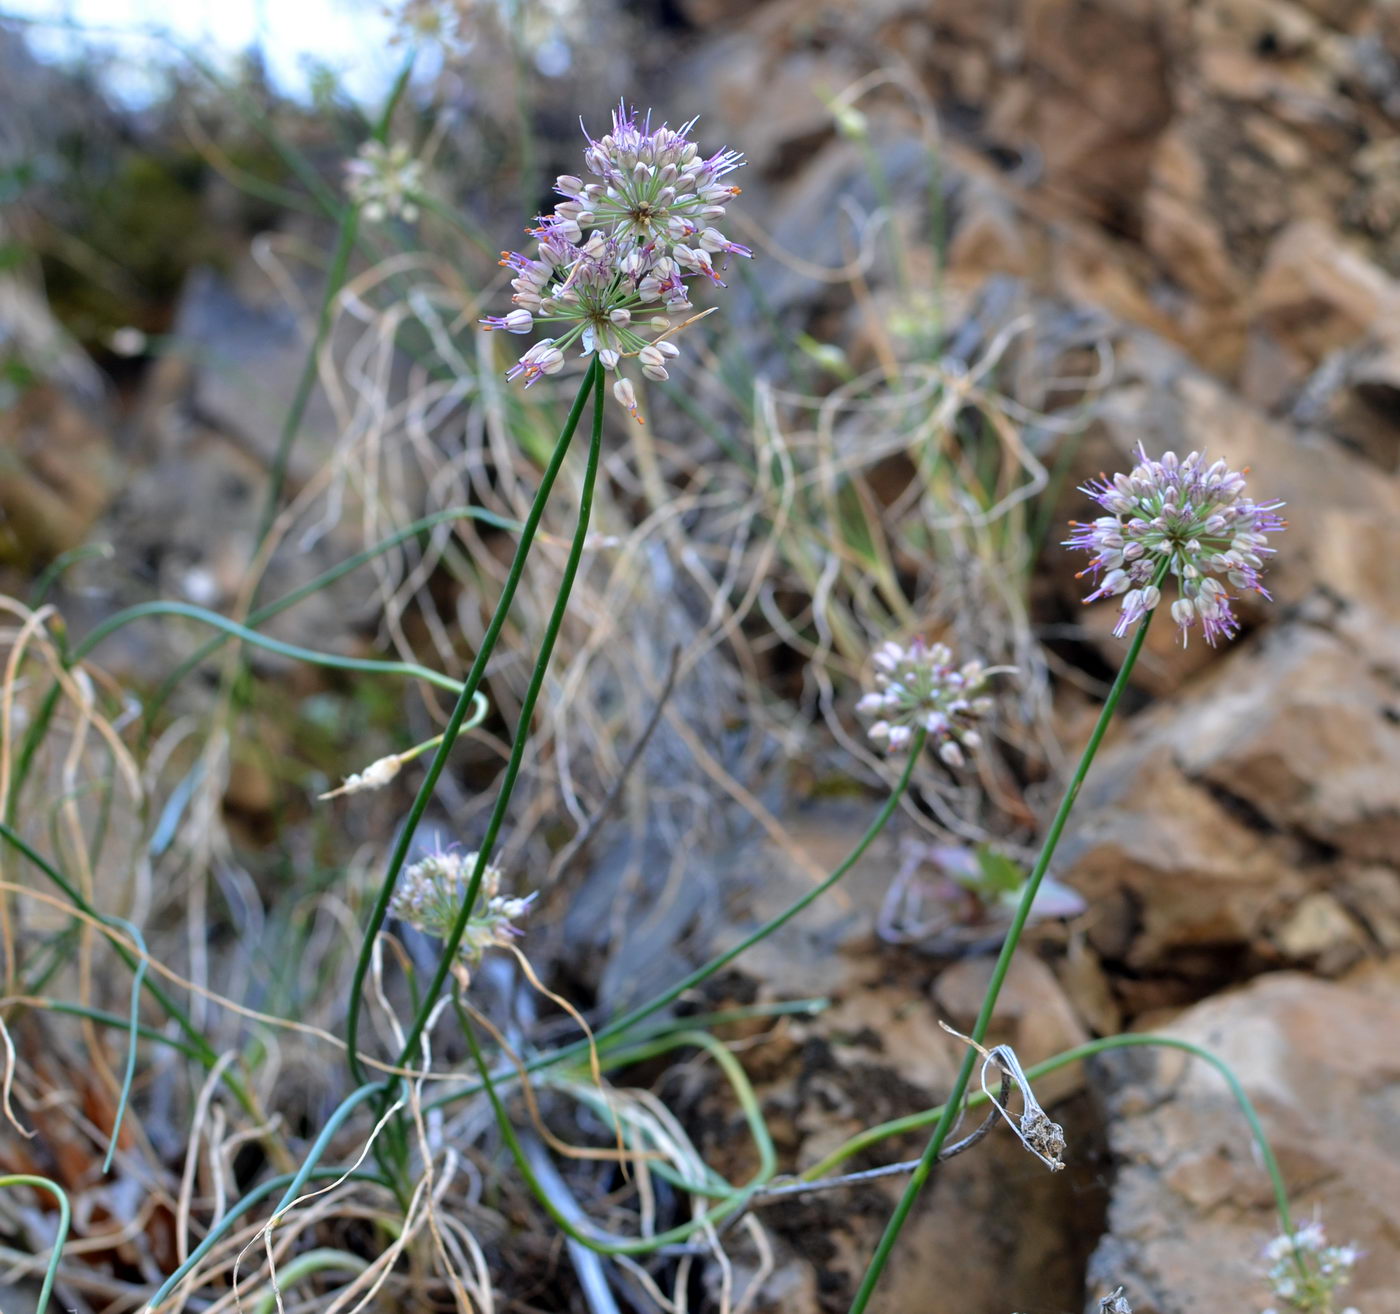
column 1216, row 182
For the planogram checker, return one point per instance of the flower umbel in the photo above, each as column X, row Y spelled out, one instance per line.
column 1304, row 1271
column 383, row 180
column 429, row 896
column 654, row 190
column 613, row 259
column 1192, row 515
column 919, row 687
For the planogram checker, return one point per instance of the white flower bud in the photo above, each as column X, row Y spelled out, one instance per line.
column 627, row 395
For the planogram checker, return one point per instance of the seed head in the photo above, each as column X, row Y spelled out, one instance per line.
column 1192, row 515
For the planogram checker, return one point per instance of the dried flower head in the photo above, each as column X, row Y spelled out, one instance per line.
column 1304, row 1272
column 1192, row 515
column 383, row 180
column 1115, row 1303
column 375, row 776
column 919, row 688
column 612, row 261
column 1036, row 1130
column 430, row 894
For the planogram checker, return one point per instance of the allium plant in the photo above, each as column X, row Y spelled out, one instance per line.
column 383, row 180
column 1190, row 515
column 920, row 688
column 430, row 894
column 612, row 260
column 1180, row 517
column 1304, row 1272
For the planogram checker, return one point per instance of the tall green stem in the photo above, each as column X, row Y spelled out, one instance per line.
column 459, row 713
column 522, row 728
column 621, row 1025
column 625, row 1023
column 1003, row 964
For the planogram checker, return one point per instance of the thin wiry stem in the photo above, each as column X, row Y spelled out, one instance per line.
column 454, row 724
column 522, row 729
column 1003, row 965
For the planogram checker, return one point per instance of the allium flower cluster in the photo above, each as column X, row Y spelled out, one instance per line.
column 919, row 687
column 1304, row 1271
column 430, row 894
column 427, row 20
column 383, row 180
column 613, row 259
column 1192, row 515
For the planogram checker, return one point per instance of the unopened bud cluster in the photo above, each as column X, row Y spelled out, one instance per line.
column 1305, row 1272
column 920, row 688
column 430, row 894
column 383, row 180
column 612, row 261
column 1194, row 516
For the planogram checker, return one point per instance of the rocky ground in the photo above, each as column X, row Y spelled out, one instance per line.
column 1210, row 193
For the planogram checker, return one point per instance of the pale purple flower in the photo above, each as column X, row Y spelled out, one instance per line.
column 920, row 688
column 654, row 192
column 383, row 180
column 613, row 259
column 430, row 893
column 427, row 20
column 1304, row 1271
column 1190, row 514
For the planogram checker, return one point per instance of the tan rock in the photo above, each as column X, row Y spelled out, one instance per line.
column 1317, row 295
column 1320, row 931
column 1164, row 867
column 57, row 473
column 1182, row 235
column 1338, row 13
column 1191, row 1206
column 988, row 238
column 1033, row 1015
column 1299, row 734
column 1088, row 987
column 1372, row 892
